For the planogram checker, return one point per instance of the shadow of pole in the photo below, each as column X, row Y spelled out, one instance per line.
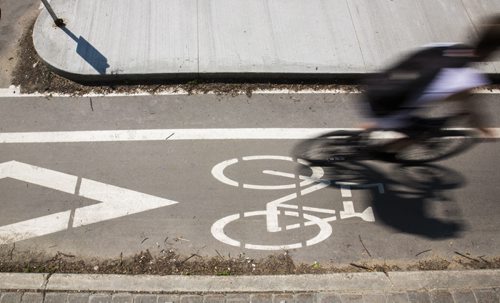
column 88, row 52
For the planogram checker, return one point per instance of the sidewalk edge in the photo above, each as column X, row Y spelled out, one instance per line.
column 341, row 282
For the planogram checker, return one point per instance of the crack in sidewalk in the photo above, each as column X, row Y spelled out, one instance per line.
column 388, row 277
column 44, row 285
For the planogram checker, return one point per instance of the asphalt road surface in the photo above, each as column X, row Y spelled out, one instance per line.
column 16, row 16
column 212, row 174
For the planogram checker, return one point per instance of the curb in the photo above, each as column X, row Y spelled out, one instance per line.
column 341, row 282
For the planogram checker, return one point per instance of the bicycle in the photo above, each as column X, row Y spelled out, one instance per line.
column 428, row 140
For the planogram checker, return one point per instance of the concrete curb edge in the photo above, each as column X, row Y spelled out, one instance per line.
column 341, row 282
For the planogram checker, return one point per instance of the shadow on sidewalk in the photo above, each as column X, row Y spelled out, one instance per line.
column 88, row 52
column 417, row 199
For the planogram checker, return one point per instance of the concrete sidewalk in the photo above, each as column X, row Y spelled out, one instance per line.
column 426, row 286
column 242, row 39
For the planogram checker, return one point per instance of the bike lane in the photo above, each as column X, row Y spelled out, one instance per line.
column 169, row 194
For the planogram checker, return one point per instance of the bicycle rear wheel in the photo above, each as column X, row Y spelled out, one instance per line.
column 445, row 143
column 330, row 148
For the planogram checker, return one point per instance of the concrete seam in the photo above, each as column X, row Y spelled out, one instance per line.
column 470, row 19
column 356, row 33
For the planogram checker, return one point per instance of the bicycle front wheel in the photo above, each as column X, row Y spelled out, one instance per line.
column 444, row 144
column 330, row 148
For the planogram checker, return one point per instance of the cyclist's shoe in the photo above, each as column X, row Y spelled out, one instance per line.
column 380, row 152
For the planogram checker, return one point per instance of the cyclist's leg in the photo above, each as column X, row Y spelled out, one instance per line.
column 395, row 123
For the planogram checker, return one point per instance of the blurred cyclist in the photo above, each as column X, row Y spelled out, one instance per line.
column 435, row 73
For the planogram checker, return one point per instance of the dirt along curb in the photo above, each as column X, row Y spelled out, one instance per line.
column 168, row 262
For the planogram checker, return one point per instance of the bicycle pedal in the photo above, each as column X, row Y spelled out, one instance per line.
column 336, row 158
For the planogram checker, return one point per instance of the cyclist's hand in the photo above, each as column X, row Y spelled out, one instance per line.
column 368, row 125
column 487, row 132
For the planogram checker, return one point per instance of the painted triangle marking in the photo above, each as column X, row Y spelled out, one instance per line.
column 115, row 201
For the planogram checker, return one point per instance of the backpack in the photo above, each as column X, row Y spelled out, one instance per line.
column 388, row 91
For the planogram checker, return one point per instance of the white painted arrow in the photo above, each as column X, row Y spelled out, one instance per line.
column 115, row 201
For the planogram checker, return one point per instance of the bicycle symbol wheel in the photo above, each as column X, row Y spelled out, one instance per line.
column 325, row 230
column 218, row 173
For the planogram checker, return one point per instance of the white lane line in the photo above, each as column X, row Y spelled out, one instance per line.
column 174, row 134
column 16, row 91
column 162, row 135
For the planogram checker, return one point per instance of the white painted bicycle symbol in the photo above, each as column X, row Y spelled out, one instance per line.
column 277, row 209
